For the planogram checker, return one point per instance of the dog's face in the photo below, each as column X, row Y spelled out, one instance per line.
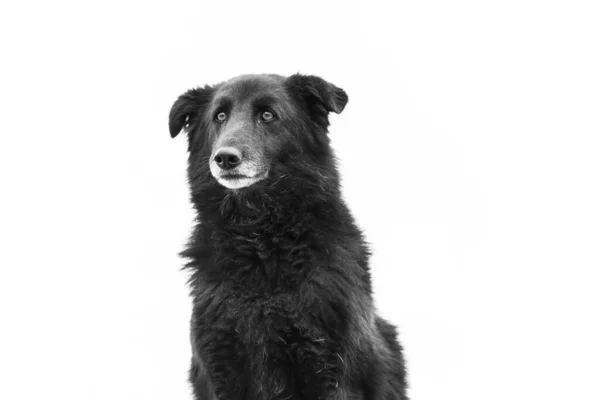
column 241, row 127
column 249, row 124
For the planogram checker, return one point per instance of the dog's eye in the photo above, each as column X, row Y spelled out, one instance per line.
column 267, row 116
column 221, row 117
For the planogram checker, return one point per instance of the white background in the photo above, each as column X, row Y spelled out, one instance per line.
column 469, row 152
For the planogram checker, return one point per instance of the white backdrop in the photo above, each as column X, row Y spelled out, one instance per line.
column 469, row 152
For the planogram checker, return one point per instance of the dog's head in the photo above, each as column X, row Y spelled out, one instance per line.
column 241, row 128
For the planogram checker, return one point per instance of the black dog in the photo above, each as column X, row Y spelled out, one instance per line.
column 279, row 271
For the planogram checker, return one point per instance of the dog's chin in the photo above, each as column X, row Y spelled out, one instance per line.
column 239, row 181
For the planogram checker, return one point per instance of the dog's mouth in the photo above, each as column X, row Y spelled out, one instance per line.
column 233, row 176
column 243, row 175
column 234, row 180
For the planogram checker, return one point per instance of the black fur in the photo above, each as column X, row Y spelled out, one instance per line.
column 282, row 303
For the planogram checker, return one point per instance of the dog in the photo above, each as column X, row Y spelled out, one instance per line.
column 279, row 271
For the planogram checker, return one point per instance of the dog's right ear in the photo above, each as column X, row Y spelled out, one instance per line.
column 188, row 108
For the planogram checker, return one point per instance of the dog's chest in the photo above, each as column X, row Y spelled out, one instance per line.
column 262, row 318
column 262, row 342
column 252, row 320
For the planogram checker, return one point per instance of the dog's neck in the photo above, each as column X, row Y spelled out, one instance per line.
column 269, row 235
column 269, row 210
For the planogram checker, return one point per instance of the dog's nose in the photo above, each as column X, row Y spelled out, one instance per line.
column 228, row 157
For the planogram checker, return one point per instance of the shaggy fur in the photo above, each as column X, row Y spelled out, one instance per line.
column 282, row 302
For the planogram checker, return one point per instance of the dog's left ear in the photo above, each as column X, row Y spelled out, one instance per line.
column 188, row 108
column 320, row 95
